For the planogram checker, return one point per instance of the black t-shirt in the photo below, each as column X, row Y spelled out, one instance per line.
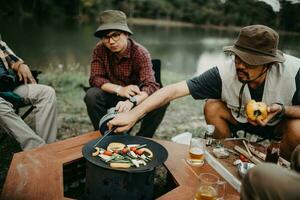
column 209, row 86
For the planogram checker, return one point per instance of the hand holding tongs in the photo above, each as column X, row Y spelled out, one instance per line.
column 105, row 134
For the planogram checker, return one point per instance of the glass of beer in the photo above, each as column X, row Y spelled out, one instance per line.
column 196, row 151
column 210, row 188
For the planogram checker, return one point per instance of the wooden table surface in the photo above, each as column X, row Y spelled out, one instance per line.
column 38, row 173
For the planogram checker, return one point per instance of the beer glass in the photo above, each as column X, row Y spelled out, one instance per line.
column 196, row 151
column 210, row 188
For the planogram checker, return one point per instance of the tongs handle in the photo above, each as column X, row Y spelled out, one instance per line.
column 105, row 134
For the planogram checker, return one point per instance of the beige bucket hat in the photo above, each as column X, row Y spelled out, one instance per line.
column 257, row 45
column 112, row 20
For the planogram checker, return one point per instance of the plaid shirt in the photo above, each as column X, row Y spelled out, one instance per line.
column 133, row 66
column 7, row 57
column 7, row 75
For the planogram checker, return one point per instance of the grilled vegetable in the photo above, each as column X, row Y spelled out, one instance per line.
column 139, row 152
column 135, row 162
column 243, row 158
column 108, row 153
column 115, row 146
column 119, row 155
column 106, row 158
column 141, row 146
column 132, row 154
column 124, row 151
column 96, row 153
column 120, row 165
column 133, row 149
column 147, row 152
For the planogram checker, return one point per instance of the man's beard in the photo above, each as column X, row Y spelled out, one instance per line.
column 246, row 76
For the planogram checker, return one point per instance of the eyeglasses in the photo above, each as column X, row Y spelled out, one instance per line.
column 239, row 61
column 115, row 36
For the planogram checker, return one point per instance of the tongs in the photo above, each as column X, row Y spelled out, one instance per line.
column 105, row 134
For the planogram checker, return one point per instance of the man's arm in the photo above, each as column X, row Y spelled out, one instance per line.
column 123, row 91
column 98, row 73
column 142, row 68
column 292, row 111
column 142, row 62
column 125, row 106
column 125, row 121
column 17, row 64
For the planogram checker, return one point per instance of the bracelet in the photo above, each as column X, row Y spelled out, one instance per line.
column 117, row 90
column 281, row 114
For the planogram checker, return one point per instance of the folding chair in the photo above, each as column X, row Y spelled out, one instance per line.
column 156, row 66
column 18, row 103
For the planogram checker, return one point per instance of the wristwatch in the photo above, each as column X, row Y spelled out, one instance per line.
column 133, row 100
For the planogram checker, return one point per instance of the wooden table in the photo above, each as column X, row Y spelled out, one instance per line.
column 38, row 173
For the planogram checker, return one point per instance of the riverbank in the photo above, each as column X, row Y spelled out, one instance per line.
column 169, row 23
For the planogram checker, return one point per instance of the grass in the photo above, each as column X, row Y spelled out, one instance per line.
column 182, row 115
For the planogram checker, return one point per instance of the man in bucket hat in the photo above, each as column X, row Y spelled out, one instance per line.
column 257, row 70
column 121, row 74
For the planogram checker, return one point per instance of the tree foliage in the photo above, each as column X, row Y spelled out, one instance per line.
column 215, row 12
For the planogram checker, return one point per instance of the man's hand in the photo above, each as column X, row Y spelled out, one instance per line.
column 124, row 121
column 273, row 110
column 24, row 73
column 130, row 90
column 124, row 106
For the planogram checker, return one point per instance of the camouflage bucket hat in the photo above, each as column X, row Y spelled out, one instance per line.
column 257, row 45
column 112, row 20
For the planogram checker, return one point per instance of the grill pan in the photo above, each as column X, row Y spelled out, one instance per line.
column 160, row 154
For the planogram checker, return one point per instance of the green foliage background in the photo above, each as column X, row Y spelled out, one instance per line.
column 212, row 12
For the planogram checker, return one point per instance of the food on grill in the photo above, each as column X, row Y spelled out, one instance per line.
column 119, row 155
column 147, row 151
column 120, row 165
column 104, row 157
column 108, row 153
column 96, row 153
column 256, row 110
column 115, row 146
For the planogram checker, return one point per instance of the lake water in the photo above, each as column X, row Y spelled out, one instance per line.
column 187, row 51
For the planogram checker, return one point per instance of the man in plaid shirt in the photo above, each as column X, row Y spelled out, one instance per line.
column 121, row 74
column 41, row 96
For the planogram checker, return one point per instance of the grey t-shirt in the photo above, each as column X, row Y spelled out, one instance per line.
column 209, row 86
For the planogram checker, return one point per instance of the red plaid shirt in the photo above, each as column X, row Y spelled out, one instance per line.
column 133, row 66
